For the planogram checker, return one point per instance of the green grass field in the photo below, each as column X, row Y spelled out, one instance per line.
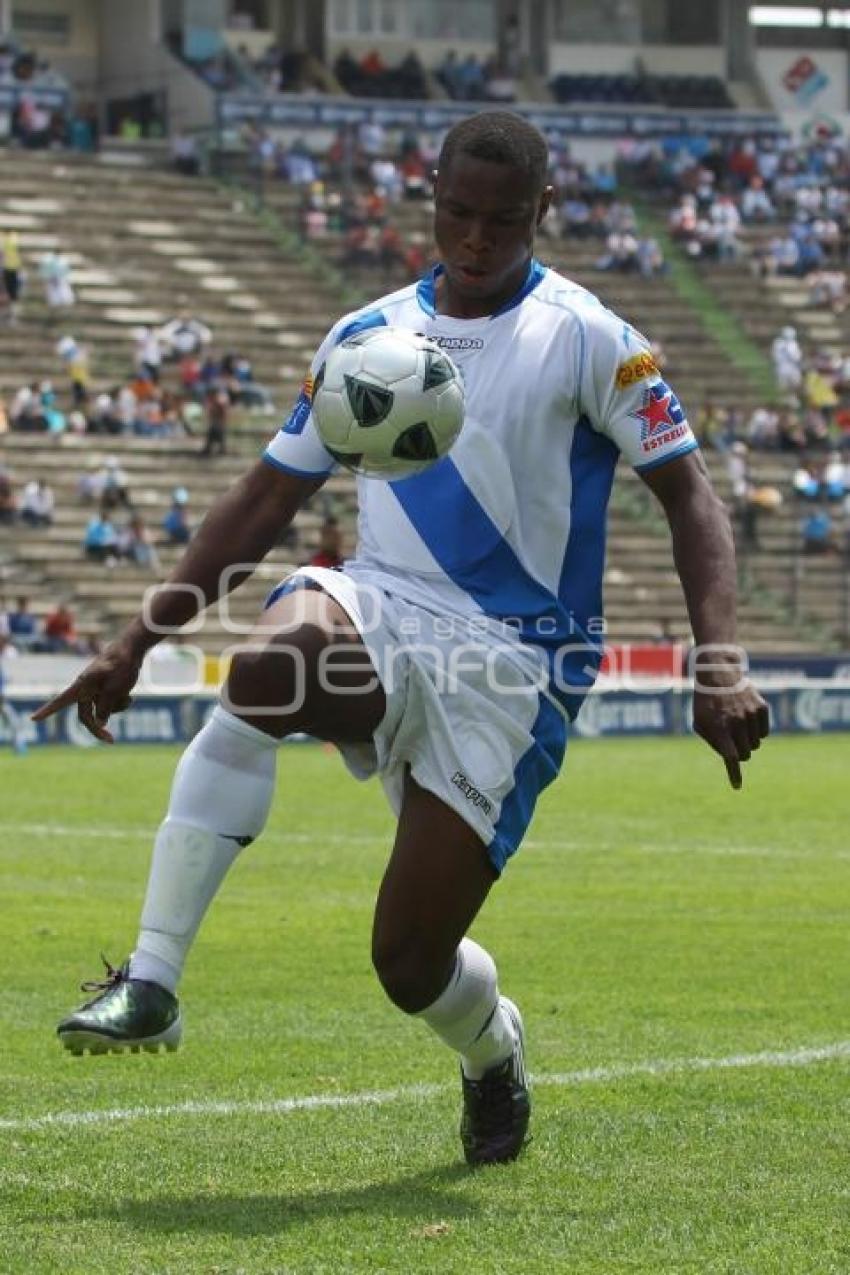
column 677, row 948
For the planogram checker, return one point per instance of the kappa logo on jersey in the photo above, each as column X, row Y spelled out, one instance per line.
column 637, row 368
column 661, row 416
column 458, row 343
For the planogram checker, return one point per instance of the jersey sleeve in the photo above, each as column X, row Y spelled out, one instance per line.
column 296, row 448
column 623, row 394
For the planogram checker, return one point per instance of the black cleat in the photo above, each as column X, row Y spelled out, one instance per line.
column 496, row 1108
column 127, row 1015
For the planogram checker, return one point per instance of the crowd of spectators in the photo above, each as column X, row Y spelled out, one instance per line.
column 116, row 530
column 109, row 541
column 55, row 634
column 812, row 416
column 812, row 424
column 370, row 76
column 588, row 205
column 820, row 486
column 352, row 189
column 201, row 382
column 471, row 79
column 32, row 123
column 800, row 195
column 350, row 192
column 799, row 191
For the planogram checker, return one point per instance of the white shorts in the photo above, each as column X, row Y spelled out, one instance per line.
column 465, row 710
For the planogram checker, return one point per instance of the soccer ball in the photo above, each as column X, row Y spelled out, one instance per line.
column 388, row 403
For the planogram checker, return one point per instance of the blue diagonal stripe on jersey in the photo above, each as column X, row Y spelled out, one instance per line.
column 449, row 519
column 593, row 459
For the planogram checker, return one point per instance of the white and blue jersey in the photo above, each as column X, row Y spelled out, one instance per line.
column 512, row 522
column 510, row 526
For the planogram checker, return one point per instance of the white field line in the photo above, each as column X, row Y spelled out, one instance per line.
column 657, row 1067
column 102, row 832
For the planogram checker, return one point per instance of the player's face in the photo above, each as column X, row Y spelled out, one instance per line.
column 485, row 217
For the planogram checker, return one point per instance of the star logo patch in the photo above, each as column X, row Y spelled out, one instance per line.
column 661, row 417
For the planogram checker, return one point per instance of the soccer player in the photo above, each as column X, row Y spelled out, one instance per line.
column 451, row 653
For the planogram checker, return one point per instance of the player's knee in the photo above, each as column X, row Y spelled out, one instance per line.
column 409, row 973
column 267, row 681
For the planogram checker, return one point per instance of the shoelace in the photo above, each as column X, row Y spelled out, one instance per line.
column 113, row 978
column 493, row 1101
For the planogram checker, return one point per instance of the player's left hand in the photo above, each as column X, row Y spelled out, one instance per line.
column 730, row 715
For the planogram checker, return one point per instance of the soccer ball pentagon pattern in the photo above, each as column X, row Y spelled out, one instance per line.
column 388, row 402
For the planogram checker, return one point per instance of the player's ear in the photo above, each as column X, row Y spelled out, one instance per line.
column 545, row 201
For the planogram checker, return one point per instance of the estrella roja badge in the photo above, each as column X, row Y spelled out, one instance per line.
column 635, row 369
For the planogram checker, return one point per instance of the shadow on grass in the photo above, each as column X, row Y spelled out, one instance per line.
column 422, row 1197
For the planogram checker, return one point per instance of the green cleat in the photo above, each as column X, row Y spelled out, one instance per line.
column 127, row 1015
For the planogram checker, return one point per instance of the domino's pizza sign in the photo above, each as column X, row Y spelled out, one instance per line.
column 804, row 79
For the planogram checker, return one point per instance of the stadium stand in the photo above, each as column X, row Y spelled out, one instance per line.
column 689, row 92
column 371, row 78
column 205, row 250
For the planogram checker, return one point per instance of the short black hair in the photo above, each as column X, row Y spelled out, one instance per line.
column 502, row 137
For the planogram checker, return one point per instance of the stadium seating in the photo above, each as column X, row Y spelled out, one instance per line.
column 697, row 365
column 148, row 243
column 407, row 80
column 145, row 244
column 691, row 92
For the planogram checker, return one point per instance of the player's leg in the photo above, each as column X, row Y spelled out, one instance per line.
column 220, row 799
column 438, row 877
column 224, row 785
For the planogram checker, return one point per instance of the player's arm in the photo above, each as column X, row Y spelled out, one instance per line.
column 729, row 713
column 236, row 534
column 238, row 531
column 624, row 396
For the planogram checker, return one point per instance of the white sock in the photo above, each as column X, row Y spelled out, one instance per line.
column 468, row 1016
column 220, row 800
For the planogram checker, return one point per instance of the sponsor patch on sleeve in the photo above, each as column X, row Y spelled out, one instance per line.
column 299, row 415
column 662, row 420
column 637, row 368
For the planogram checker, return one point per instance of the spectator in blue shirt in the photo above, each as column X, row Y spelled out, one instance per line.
column 22, row 625
column 175, row 522
column 816, row 531
column 101, row 539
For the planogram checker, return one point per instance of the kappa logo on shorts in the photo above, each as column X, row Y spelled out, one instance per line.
column 473, row 794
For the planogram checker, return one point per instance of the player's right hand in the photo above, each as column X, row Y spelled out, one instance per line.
column 103, row 688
